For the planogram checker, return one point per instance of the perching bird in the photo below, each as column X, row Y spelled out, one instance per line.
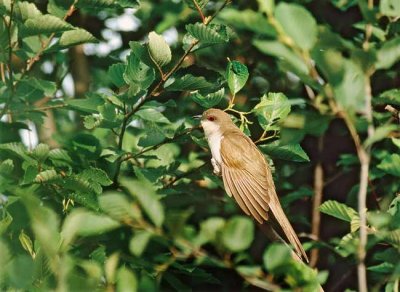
column 245, row 172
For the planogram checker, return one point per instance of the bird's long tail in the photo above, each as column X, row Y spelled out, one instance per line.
column 276, row 208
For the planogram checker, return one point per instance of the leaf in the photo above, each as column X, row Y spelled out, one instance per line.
column 152, row 115
column 47, row 176
column 60, row 157
column 238, row 233
column 271, row 109
column 118, row 207
column 276, row 256
column 396, row 141
column 76, row 37
column 25, row 10
column 391, row 164
column 338, row 210
column 188, row 82
column 248, row 20
column 87, row 105
column 103, row 4
column 210, row 230
column 26, row 243
column 380, row 133
column 41, row 152
column 298, row 23
column 159, row 49
column 290, row 152
column 81, row 222
column 200, row 3
column 45, row 24
column 145, row 193
column 139, row 241
column 283, row 53
column 209, row 100
column 208, row 34
column 390, row 7
column 97, row 175
column 138, row 75
column 116, row 73
column 6, row 167
column 389, row 53
column 126, row 280
column 386, row 268
column 236, row 75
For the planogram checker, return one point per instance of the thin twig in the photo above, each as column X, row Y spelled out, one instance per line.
column 203, row 19
column 317, row 200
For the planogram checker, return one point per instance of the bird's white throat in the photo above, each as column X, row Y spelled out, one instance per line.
column 214, row 137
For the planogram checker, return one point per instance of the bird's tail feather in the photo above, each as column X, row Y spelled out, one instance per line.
column 287, row 228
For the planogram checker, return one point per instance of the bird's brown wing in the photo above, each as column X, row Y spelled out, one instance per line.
column 247, row 177
column 244, row 174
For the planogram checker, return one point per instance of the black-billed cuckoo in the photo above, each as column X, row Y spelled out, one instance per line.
column 245, row 172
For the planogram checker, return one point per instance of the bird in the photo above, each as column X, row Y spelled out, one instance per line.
column 245, row 173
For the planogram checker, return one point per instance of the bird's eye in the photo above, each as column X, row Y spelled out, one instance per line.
column 211, row 118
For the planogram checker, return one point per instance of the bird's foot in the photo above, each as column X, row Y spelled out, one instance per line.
column 217, row 169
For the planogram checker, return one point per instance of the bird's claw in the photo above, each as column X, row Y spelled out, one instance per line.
column 216, row 168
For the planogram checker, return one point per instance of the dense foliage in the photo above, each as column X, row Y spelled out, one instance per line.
column 118, row 193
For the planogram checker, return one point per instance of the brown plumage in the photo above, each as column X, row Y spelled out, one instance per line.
column 245, row 173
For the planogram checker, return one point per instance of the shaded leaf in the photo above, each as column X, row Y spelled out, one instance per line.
column 209, row 100
column 208, row 34
column 391, row 164
column 45, row 24
column 291, row 152
column 76, row 37
column 188, row 82
column 139, row 241
column 236, row 75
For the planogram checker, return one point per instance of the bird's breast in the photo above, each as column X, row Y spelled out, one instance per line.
column 214, row 141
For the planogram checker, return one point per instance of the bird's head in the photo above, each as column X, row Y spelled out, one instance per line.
column 215, row 120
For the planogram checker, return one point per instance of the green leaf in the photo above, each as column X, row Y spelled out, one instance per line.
column 87, row 105
column 188, row 82
column 138, row 75
column 390, row 7
column 81, row 222
column 26, row 243
column 276, row 256
column 380, row 133
column 283, row 53
column 118, row 207
column 396, row 141
column 386, row 268
column 338, row 210
column 60, row 157
column 139, row 241
column 200, row 3
column 145, row 193
column 97, row 175
column 272, row 108
column 210, row 100
column 6, row 167
column 47, row 176
column 208, row 34
column 5, row 222
column 41, row 152
column 298, row 23
column 290, row 152
column 45, row 24
column 25, row 10
column 238, row 233
column 159, row 49
column 210, row 230
column 389, row 53
column 116, row 74
column 152, row 115
column 236, row 75
column 76, row 37
column 126, row 280
column 248, row 20
column 104, row 4
column 391, row 164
